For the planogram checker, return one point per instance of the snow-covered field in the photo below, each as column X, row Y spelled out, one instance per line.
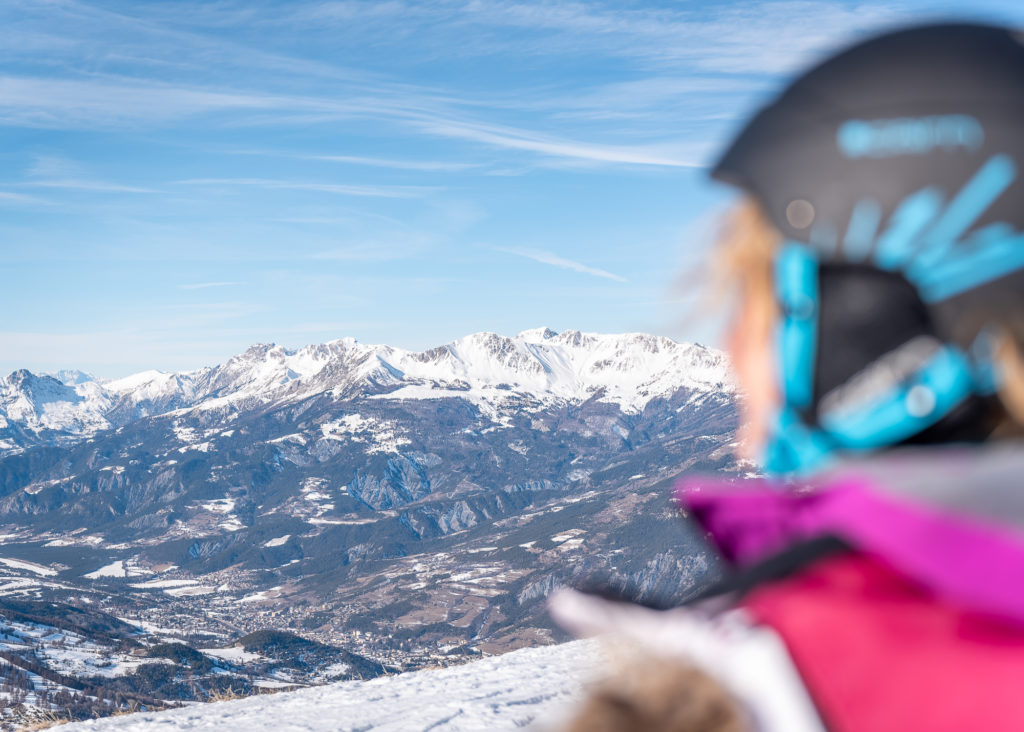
column 532, row 687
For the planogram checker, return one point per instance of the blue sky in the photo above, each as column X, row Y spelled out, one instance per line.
column 180, row 180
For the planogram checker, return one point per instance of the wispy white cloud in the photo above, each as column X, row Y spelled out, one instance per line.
column 54, row 166
column 650, row 100
column 514, row 139
column 90, row 103
column 333, row 188
column 55, row 171
column 544, row 257
column 21, row 198
column 428, row 166
column 763, row 37
column 372, row 252
column 424, row 165
column 754, row 37
column 384, row 247
column 206, row 285
column 48, row 103
column 760, row 38
column 351, row 216
column 97, row 186
column 156, row 37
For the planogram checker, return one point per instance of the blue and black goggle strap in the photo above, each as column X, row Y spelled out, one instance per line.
column 800, row 441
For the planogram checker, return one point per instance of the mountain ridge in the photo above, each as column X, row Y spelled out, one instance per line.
column 627, row 369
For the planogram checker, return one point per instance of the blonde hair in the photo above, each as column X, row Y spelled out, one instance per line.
column 659, row 695
column 743, row 256
column 1011, row 371
column 743, row 264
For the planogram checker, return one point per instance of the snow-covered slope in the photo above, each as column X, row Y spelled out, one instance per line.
column 628, row 369
column 532, row 686
column 538, row 366
column 41, row 402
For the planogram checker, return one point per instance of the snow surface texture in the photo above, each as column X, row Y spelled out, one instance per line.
column 487, row 369
column 533, row 686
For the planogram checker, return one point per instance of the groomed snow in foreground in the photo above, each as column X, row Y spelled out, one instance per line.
column 531, row 686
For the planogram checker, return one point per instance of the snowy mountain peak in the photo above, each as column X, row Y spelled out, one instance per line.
column 24, row 379
column 41, row 402
column 37, row 389
column 537, row 335
column 144, row 379
column 539, row 366
column 71, row 377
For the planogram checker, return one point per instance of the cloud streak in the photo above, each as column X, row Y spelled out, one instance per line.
column 206, row 285
column 753, row 37
column 544, row 257
column 21, row 198
column 73, row 103
column 509, row 138
column 362, row 253
column 428, row 166
column 332, row 188
column 95, row 186
column 92, row 104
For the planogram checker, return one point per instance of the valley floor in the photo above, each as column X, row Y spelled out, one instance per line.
column 533, row 686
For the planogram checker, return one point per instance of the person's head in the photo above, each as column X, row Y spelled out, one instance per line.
column 878, row 252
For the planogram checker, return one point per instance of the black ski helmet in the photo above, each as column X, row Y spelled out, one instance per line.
column 893, row 171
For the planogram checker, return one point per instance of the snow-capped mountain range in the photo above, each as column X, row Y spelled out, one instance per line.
column 490, row 370
column 410, row 508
